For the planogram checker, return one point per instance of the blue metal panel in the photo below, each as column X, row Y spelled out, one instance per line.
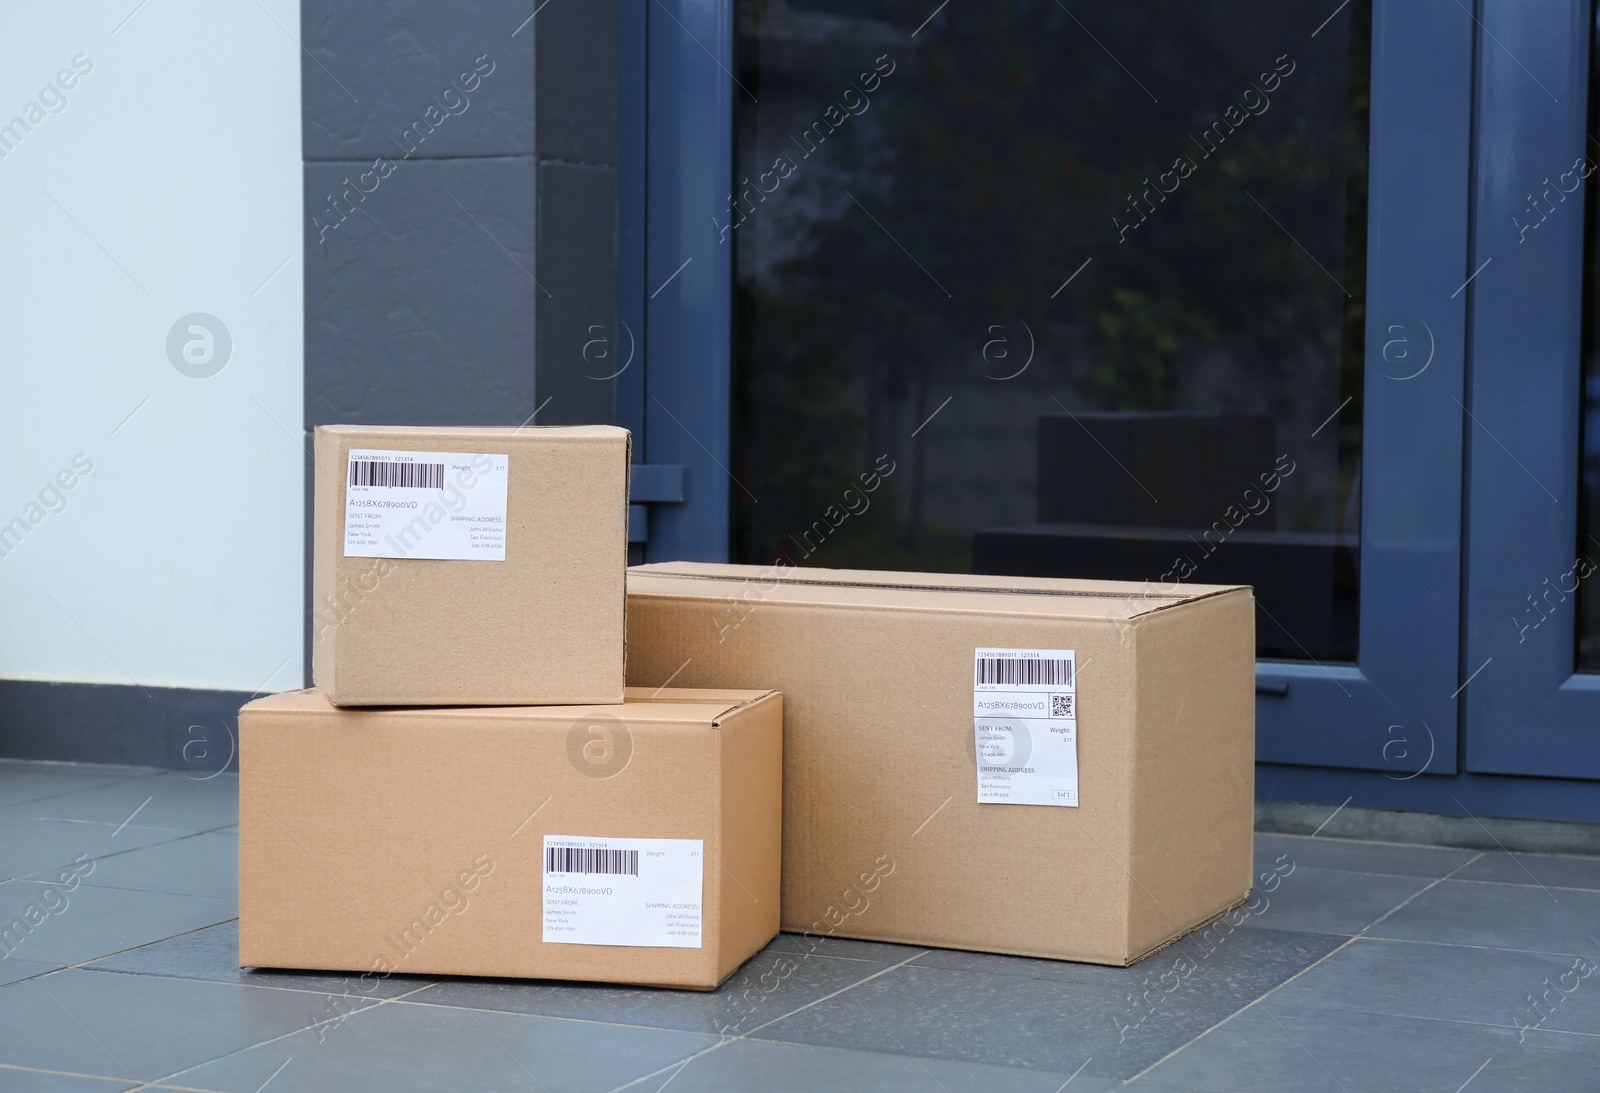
column 1397, row 711
column 688, row 271
column 654, row 482
column 1526, row 711
column 627, row 342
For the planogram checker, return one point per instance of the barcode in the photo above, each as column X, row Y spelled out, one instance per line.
column 572, row 859
column 417, row 476
column 1022, row 671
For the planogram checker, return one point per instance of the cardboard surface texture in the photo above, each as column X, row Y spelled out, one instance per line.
column 478, row 599
column 413, row 840
column 884, row 836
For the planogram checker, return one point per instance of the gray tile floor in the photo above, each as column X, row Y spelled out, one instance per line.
column 1366, row 967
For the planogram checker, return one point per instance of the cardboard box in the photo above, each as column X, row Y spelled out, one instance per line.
column 421, row 840
column 885, row 837
column 469, row 566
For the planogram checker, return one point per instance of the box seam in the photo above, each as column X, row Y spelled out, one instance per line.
column 1114, row 620
column 1129, row 785
column 892, row 587
column 1201, row 598
column 716, row 721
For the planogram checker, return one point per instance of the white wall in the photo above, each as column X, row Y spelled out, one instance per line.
column 167, row 184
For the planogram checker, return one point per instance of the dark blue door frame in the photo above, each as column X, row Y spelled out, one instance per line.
column 1527, row 711
column 676, row 128
column 1396, row 711
column 1402, row 728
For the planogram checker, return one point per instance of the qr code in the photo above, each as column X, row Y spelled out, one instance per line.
column 1061, row 706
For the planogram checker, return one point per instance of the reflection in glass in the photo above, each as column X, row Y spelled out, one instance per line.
column 1037, row 291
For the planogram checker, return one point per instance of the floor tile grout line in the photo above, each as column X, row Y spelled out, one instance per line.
column 1329, row 955
column 88, row 966
column 135, row 770
column 678, row 1064
column 180, row 831
column 185, row 837
column 166, row 1079
column 85, row 965
column 31, row 877
column 827, row 956
column 1424, row 1017
column 64, row 1073
column 1257, row 927
column 125, row 888
column 69, row 792
column 143, row 773
column 747, row 1035
column 226, row 983
column 1349, row 941
column 408, row 1000
column 109, row 784
column 404, row 999
column 165, row 836
column 841, row 990
column 1522, row 884
column 1463, row 945
column 1419, row 894
column 1330, row 1010
column 50, row 969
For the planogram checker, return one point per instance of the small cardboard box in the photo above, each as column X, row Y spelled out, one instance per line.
column 1113, row 809
column 635, row 843
column 469, row 566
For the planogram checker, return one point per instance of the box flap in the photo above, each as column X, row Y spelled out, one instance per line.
column 958, row 592
column 476, row 432
column 642, row 705
column 728, row 700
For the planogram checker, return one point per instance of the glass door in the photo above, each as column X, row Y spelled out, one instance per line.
column 1160, row 292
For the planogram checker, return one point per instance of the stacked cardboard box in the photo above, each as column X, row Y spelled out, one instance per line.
column 469, row 566
column 485, row 841
column 1018, row 765
column 468, row 789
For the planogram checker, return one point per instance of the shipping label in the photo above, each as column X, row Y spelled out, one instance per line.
column 1025, row 726
column 448, row 505
column 623, row 891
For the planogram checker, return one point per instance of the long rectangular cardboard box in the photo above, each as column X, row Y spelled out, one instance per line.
column 635, row 843
column 469, row 566
column 1112, row 811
